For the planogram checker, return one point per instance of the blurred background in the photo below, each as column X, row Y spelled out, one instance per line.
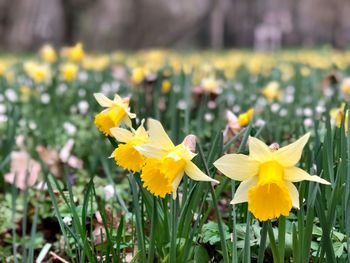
column 133, row 24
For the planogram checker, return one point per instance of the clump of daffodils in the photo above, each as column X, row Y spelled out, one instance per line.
column 267, row 176
column 167, row 163
column 75, row 53
column 116, row 112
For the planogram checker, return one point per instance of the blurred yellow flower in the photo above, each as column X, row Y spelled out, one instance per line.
column 167, row 163
column 166, row 86
column 116, row 113
column 137, row 75
column 69, row 71
column 76, row 53
column 210, row 85
column 337, row 115
column 48, row 54
column 245, row 117
column 272, row 91
column 38, row 72
column 268, row 175
column 125, row 154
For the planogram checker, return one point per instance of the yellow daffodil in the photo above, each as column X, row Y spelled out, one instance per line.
column 137, row 75
column 48, row 54
column 76, row 53
column 337, row 115
column 38, row 72
column 69, row 71
column 116, row 113
column 167, row 163
column 268, row 175
column 211, row 85
column 272, row 91
column 166, row 86
column 235, row 124
column 126, row 154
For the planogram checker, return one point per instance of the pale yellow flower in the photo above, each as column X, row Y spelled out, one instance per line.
column 167, row 163
column 268, row 175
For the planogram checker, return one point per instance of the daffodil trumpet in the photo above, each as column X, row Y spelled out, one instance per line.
column 267, row 176
column 166, row 163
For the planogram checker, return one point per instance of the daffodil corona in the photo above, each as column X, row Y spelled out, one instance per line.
column 268, row 174
column 125, row 154
column 116, row 113
column 167, row 163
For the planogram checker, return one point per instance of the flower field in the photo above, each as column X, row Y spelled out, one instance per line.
column 170, row 156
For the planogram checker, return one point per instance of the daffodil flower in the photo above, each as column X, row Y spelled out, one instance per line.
column 268, row 175
column 116, row 113
column 125, row 154
column 167, row 163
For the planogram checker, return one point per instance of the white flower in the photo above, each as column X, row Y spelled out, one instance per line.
column 260, row 122
column 82, row 92
column 209, row 117
column 283, row 112
column 83, row 107
column 308, row 122
column 45, row 98
column 2, row 109
column 3, row 118
column 109, row 191
column 32, row 125
column 67, row 220
column 61, row 89
column 236, row 108
column 11, row 95
column 182, row 105
column 275, row 107
column 70, row 128
column 308, row 112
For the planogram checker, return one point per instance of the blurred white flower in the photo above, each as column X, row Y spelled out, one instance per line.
column 238, row 86
column 32, row 125
column 82, row 92
column 260, row 123
column 115, row 86
column 275, row 107
column 106, row 88
column 211, row 104
column 45, row 98
column 328, row 92
column 61, row 89
column 176, row 88
column 11, row 95
column 83, row 76
column 308, row 112
column 283, row 112
column 3, row 118
column 289, row 98
column 70, row 128
column 236, row 108
column 2, row 109
column 182, row 105
column 67, row 220
column 308, row 122
column 73, row 109
column 320, row 109
column 83, row 107
column 208, row 117
column 109, row 191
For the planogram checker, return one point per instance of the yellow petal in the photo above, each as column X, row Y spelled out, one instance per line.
column 122, row 135
column 150, row 151
column 289, row 155
column 103, row 100
column 196, row 174
column 158, row 136
column 296, row 174
column 258, row 150
column 241, row 195
column 237, row 166
column 294, row 194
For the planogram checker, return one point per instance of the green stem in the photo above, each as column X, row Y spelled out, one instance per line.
column 262, row 243
column 152, row 237
column 172, row 258
column 273, row 243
